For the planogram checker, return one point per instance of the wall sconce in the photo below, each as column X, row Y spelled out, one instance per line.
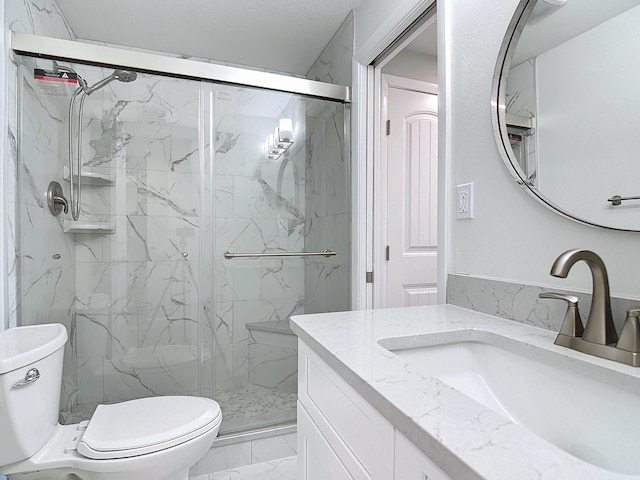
column 280, row 141
column 285, row 130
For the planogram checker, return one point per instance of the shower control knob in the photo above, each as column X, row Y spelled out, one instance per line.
column 56, row 200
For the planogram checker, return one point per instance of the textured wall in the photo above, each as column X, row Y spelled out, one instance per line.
column 512, row 237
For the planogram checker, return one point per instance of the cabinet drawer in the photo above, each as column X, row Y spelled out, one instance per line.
column 316, row 458
column 412, row 464
column 338, row 410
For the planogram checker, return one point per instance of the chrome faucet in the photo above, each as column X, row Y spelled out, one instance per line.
column 600, row 328
column 599, row 337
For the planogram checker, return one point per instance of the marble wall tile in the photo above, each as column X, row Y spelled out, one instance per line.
column 104, row 333
column 283, row 279
column 121, row 383
column 88, row 248
column 184, row 282
column 520, row 302
column 224, row 196
column 224, row 315
column 91, row 380
column 273, row 367
column 326, row 287
column 168, row 193
column 334, row 63
column 240, row 363
column 41, row 17
column 223, row 367
column 326, row 190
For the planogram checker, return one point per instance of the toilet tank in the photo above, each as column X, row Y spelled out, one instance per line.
column 29, row 412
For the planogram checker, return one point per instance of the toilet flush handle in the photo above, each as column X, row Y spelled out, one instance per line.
column 31, row 376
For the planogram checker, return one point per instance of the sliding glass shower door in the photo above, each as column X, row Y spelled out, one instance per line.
column 123, row 278
column 176, row 173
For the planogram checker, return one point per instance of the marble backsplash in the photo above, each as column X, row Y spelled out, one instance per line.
column 520, row 302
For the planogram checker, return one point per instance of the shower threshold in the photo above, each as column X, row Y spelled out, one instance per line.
column 244, row 409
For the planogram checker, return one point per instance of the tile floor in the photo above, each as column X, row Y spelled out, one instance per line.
column 280, row 469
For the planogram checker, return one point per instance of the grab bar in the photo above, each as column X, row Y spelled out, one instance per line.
column 617, row 199
column 325, row 253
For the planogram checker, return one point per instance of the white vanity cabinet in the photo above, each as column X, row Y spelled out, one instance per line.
column 412, row 464
column 341, row 436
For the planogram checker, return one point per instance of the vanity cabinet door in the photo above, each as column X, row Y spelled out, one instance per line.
column 316, row 459
column 412, row 464
column 356, row 432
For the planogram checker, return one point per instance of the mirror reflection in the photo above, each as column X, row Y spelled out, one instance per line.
column 571, row 120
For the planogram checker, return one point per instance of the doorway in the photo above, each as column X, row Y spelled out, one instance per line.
column 405, row 169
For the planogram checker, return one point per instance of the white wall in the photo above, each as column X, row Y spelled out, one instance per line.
column 512, row 237
column 587, row 124
column 413, row 65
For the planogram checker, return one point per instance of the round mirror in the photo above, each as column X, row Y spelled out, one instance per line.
column 566, row 107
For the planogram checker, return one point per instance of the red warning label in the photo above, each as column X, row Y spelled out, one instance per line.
column 52, row 76
column 55, row 83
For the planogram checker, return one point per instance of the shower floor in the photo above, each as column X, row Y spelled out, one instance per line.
column 243, row 408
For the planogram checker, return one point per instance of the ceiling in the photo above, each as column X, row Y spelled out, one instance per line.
column 276, row 35
column 551, row 25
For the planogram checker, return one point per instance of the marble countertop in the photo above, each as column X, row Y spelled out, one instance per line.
column 466, row 439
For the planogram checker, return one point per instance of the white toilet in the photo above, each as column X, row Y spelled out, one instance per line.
column 156, row 438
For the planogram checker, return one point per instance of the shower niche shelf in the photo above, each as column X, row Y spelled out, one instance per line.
column 69, row 226
column 91, row 177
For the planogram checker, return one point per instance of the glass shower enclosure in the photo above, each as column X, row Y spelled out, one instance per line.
column 174, row 176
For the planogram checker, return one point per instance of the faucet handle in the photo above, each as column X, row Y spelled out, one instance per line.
column 572, row 324
column 630, row 336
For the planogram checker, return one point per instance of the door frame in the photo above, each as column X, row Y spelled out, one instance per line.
column 363, row 128
column 380, row 240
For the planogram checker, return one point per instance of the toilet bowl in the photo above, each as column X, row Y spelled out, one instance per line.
column 157, row 438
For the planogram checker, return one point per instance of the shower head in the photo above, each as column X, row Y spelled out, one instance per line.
column 125, row 76
column 120, row 75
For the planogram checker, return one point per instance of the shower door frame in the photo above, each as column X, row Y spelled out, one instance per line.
column 100, row 56
column 97, row 55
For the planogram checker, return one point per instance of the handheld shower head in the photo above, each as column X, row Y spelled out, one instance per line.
column 125, row 76
column 120, row 75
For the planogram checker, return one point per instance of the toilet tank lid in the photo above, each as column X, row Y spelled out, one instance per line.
column 148, row 421
column 22, row 346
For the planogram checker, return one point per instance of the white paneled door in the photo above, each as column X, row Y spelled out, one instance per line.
column 412, row 180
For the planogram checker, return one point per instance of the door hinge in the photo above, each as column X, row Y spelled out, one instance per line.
column 388, row 127
column 386, row 253
column 369, row 277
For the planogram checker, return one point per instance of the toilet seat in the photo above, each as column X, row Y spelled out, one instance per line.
column 147, row 425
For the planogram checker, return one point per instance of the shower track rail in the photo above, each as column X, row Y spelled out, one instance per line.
column 73, row 51
column 325, row 253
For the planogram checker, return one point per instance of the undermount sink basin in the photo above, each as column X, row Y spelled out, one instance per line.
column 579, row 407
